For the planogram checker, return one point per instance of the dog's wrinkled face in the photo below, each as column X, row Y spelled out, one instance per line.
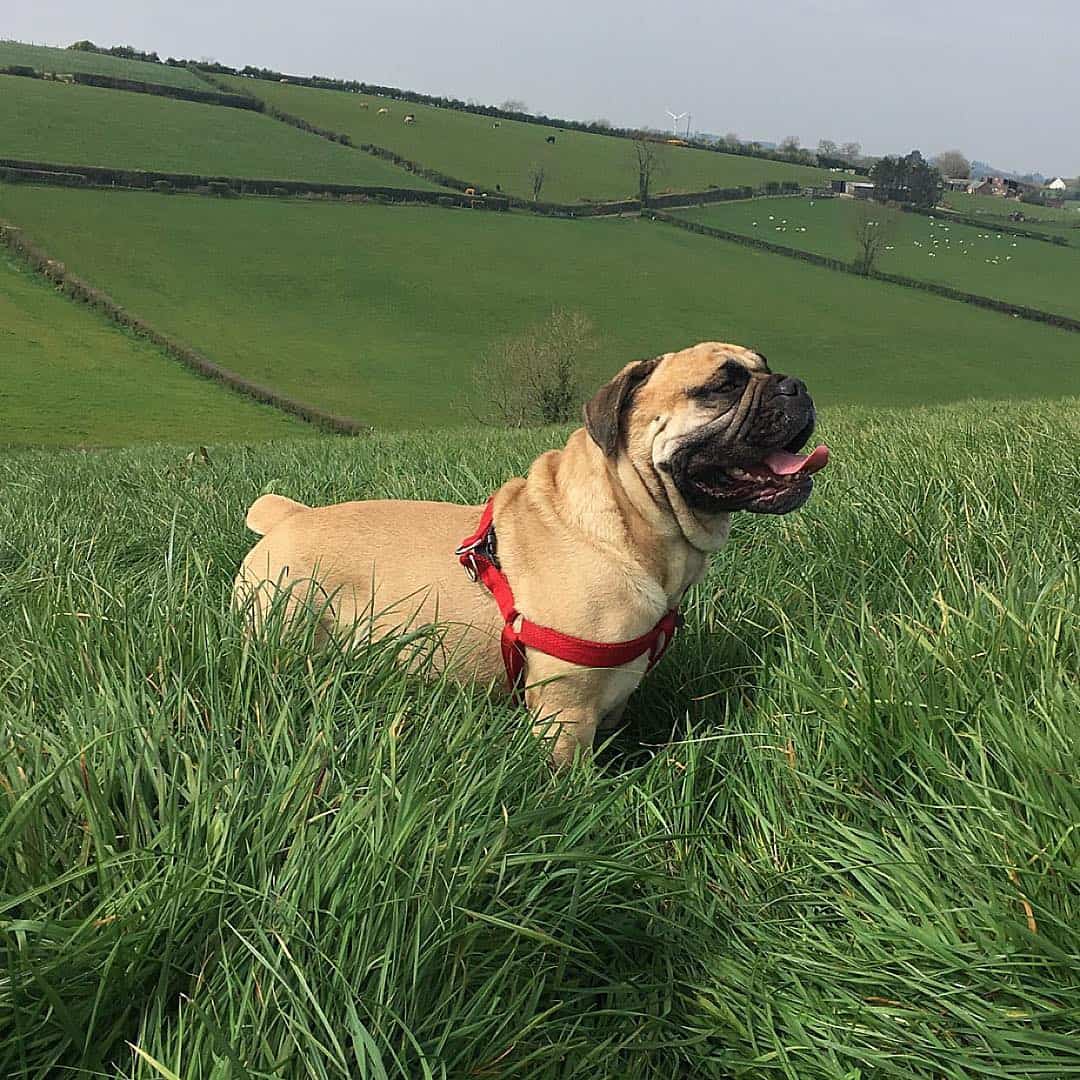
column 716, row 425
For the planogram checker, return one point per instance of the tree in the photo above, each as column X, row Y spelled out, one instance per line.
column 513, row 105
column 953, row 163
column 732, row 138
column 647, row 155
column 601, row 122
column 537, row 175
column 851, row 152
column 871, row 235
column 789, row 145
column 533, row 378
column 909, row 179
column 827, row 148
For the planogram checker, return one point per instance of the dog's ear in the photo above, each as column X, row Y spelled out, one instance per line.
column 605, row 410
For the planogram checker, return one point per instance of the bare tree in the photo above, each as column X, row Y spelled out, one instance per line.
column 827, row 148
column 514, row 105
column 537, row 175
column 871, row 232
column 953, row 163
column 789, row 144
column 533, row 378
column 649, row 161
column 851, row 151
column 602, row 122
column 732, row 138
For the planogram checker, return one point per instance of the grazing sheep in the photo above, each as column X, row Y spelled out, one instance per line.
column 550, row 139
column 384, row 111
column 496, row 124
column 409, row 118
column 363, row 105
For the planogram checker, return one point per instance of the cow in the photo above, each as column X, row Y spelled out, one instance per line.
column 496, row 124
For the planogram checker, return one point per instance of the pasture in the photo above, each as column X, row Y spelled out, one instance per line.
column 69, row 61
column 467, row 146
column 836, row 837
column 384, row 313
column 86, row 125
column 980, row 261
column 68, row 378
column 992, row 207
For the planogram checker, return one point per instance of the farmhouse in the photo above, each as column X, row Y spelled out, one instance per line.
column 1000, row 186
column 1057, row 184
column 957, row 183
column 855, row 189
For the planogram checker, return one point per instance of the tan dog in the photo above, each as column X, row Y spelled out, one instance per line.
column 599, row 540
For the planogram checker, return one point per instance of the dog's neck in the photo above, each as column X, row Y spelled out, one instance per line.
column 610, row 504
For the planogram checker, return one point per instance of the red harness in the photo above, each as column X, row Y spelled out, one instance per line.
column 477, row 554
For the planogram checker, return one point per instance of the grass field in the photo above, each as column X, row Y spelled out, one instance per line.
column 68, row 378
column 382, row 313
column 67, row 62
column 85, row 125
column 990, row 206
column 835, row 840
column 965, row 257
column 466, row 146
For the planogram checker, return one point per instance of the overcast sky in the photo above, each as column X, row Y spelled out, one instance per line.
column 998, row 79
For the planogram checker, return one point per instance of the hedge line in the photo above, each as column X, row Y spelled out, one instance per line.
column 1063, row 322
column 965, row 219
column 77, row 289
column 15, row 171
column 204, row 97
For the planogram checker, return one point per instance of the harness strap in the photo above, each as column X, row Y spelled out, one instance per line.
column 478, row 555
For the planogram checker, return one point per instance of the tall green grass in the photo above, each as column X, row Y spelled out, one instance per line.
column 87, row 125
column 837, row 837
column 384, row 313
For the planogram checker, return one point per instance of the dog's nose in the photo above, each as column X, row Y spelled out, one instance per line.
column 790, row 387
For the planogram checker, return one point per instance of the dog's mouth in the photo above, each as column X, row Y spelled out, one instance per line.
column 779, row 481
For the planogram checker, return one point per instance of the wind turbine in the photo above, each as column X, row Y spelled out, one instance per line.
column 675, row 118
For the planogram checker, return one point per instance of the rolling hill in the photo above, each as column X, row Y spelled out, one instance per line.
column 69, row 61
column 472, row 148
column 86, row 125
column 384, row 313
column 981, row 261
column 67, row 378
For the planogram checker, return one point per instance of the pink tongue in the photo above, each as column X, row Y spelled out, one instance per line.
column 784, row 464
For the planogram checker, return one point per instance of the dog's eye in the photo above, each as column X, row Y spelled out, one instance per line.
column 730, row 379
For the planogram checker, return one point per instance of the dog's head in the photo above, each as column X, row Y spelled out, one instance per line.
column 713, row 427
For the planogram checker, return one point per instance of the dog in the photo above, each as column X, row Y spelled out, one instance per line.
column 599, row 542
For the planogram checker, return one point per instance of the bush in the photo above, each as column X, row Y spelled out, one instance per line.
column 533, row 378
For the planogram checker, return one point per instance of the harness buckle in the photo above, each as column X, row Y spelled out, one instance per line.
column 469, row 562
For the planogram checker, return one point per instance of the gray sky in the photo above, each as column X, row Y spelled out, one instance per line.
column 999, row 79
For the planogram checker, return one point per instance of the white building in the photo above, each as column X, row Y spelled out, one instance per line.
column 1057, row 184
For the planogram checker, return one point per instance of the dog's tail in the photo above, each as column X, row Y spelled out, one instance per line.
column 270, row 510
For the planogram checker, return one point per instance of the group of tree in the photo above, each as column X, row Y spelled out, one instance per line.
column 908, row 179
column 125, row 52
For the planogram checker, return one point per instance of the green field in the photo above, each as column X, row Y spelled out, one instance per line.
column 467, row 146
column 69, row 378
column 382, row 313
column 68, row 61
column 835, row 839
column 991, row 206
column 980, row 261
column 85, row 125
